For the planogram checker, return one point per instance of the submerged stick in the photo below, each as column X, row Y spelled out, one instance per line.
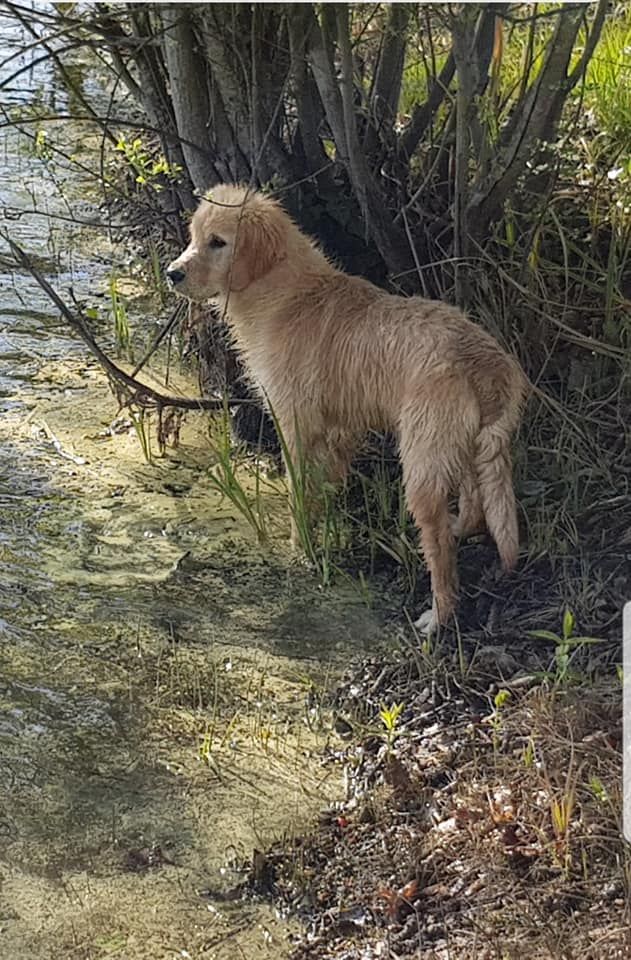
column 144, row 394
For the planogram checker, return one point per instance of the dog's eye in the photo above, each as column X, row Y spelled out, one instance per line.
column 215, row 243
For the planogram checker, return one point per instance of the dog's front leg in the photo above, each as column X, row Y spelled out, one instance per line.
column 311, row 464
column 313, row 458
column 295, row 527
column 297, row 457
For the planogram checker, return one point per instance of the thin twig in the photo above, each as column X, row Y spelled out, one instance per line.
column 144, row 395
column 166, row 329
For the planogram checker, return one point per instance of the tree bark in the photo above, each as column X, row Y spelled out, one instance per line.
column 189, row 94
column 310, row 113
column 340, row 113
column 229, row 74
column 386, row 88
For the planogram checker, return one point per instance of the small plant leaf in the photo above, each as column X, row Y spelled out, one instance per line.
column 390, row 716
column 501, row 698
column 544, row 635
column 578, row 641
column 568, row 624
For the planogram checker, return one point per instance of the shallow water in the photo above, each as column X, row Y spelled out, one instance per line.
column 159, row 674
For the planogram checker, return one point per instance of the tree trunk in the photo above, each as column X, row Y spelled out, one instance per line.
column 189, row 94
column 536, row 118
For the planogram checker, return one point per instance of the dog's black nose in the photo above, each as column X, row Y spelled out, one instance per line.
column 175, row 276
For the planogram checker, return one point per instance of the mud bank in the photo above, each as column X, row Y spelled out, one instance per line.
column 161, row 680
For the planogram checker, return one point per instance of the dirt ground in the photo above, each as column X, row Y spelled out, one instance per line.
column 161, row 681
column 488, row 828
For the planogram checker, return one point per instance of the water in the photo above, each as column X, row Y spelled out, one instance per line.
column 158, row 672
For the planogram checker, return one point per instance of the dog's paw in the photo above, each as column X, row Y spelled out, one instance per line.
column 427, row 623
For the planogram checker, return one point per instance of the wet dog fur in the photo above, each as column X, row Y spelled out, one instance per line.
column 335, row 356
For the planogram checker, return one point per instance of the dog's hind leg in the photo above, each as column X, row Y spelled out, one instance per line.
column 436, row 435
column 427, row 481
column 470, row 519
column 337, row 454
column 429, row 509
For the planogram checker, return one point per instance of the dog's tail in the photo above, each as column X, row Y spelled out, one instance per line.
column 494, row 469
column 495, row 478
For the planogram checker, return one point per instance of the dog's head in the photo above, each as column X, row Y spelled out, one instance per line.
column 237, row 238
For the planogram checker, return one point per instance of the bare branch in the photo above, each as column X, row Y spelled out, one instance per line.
column 144, row 395
column 386, row 88
column 423, row 113
column 356, row 159
column 321, row 59
column 534, row 120
column 308, row 103
column 340, row 113
column 150, row 88
column 590, row 46
column 464, row 49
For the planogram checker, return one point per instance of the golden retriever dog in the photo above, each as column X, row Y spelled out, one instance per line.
column 334, row 356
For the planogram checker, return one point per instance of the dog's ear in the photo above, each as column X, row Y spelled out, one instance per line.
column 261, row 244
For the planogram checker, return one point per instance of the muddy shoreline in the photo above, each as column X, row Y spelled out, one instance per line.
column 162, row 688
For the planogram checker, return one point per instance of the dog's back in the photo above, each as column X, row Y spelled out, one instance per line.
column 350, row 352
